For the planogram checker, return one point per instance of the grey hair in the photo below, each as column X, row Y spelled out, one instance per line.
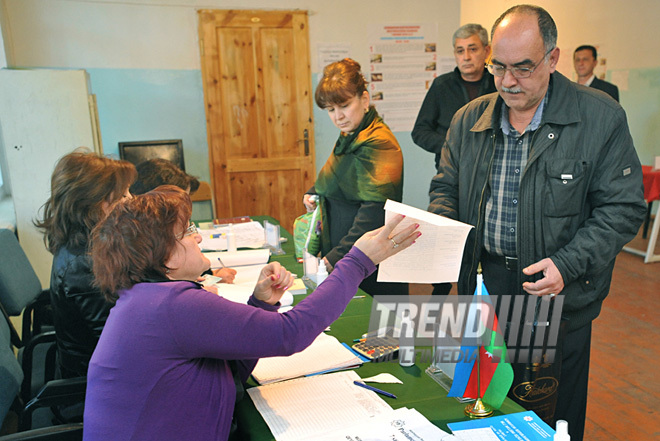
column 468, row 30
column 546, row 24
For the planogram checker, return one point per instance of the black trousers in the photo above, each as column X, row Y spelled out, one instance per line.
column 575, row 351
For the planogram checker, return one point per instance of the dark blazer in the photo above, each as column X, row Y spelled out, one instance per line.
column 606, row 87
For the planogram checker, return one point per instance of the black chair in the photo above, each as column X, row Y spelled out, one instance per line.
column 11, row 377
column 20, row 290
column 21, row 295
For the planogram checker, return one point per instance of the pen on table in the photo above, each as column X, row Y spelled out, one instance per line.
column 222, row 265
column 355, row 340
column 366, row 386
column 358, row 297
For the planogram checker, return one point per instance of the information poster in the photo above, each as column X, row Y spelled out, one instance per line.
column 403, row 63
column 330, row 52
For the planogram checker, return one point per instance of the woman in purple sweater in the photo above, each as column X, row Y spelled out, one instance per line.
column 166, row 362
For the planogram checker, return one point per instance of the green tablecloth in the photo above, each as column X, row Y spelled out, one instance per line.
column 418, row 390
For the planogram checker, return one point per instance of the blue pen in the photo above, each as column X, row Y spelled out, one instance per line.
column 378, row 391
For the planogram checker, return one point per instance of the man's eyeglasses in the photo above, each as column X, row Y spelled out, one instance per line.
column 517, row 72
column 192, row 229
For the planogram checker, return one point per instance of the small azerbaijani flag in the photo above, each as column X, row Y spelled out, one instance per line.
column 496, row 377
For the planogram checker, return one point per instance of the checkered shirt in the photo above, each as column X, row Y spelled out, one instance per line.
column 511, row 153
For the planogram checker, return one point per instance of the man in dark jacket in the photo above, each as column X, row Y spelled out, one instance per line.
column 547, row 172
column 585, row 59
column 451, row 91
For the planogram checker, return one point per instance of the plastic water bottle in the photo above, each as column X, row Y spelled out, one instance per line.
column 407, row 341
column 231, row 239
column 321, row 273
column 561, row 433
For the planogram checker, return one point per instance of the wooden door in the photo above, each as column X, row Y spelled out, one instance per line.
column 257, row 92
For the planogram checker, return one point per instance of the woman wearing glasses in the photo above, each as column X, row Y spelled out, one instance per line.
column 84, row 187
column 171, row 355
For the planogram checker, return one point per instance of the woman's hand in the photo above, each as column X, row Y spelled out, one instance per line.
column 226, row 274
column 273, row 281
column 380, row 244
column 310, row 201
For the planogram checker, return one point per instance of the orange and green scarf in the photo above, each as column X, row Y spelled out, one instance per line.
column 366, row 165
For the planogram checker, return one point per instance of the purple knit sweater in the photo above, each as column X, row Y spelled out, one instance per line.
column 160, row 371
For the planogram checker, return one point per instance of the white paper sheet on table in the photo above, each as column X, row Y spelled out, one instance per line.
column 324, row 354
column 243, row 286
column 238, row 258
column 382, row 378
column 247, row 234
column 305, row 408
column 399, row 425
column 435, row 257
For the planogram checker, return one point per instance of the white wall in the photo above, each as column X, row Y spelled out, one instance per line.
column 626, row 32
column 148, row 37
column 626, row 35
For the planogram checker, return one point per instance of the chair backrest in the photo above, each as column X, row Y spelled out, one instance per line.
column 19, row 284
column 11, row 374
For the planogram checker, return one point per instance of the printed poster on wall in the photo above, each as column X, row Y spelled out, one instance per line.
column 403, row 63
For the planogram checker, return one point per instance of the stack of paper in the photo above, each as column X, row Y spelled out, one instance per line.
column 307, row 408
column 238, row 258
column 298, row 287
column 323, row 355
column 248, row 235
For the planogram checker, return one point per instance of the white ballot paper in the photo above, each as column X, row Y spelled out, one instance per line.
column 437, row 254
column 243, row 286
column 309, row 407
column 399, row 425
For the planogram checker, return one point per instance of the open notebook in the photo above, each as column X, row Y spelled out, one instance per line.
column 306, row 408
column 323, row 355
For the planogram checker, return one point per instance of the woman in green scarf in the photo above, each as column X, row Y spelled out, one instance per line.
column 363, row 171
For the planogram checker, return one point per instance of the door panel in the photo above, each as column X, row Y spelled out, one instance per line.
column 237, row 92
column 257, row 83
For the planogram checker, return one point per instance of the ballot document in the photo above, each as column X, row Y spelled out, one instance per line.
column 435, row 257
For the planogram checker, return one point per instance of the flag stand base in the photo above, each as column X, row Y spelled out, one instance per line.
column 478, row 409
